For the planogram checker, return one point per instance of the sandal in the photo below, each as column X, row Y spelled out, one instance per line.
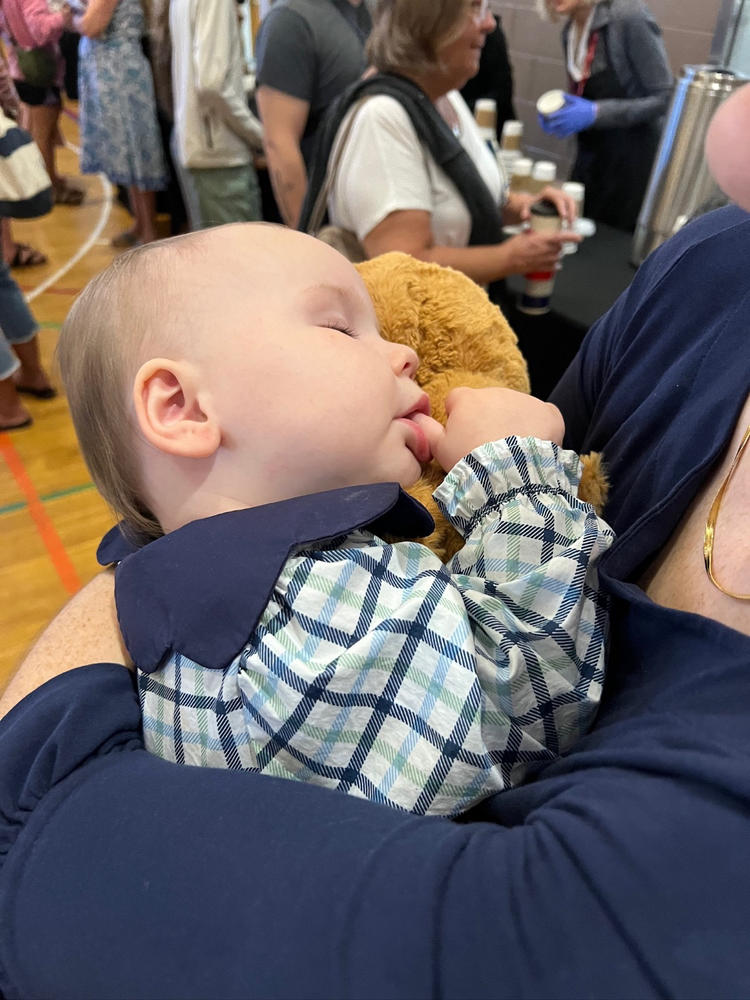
column 26, row 422
column 46, row 392
column 26, row 256
column 66, row 194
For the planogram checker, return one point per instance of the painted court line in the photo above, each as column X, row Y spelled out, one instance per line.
column 60, row 559
column 70, row 491
column 104, row 214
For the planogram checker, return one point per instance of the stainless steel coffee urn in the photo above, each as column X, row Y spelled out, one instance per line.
column 680, row 186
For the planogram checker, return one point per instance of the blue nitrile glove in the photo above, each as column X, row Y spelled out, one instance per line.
column 577, row 115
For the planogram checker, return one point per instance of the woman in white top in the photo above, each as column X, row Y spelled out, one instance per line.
column 387, row 187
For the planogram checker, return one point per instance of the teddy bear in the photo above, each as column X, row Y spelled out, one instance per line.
column 462, row 339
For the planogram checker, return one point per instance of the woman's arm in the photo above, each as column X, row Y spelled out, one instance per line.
column 411, row 232
column 95, row 19
column 188, row 881
column 637, row 55
column 88, row 625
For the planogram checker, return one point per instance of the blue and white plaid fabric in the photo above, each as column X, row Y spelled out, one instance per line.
column 378, row 671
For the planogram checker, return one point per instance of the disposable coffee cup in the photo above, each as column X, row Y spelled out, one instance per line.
column 512, row 134
column 539, row 285
column 577, row 192
column 543, row 172
column 550, row 102
column 485, row 113
column 520, row 175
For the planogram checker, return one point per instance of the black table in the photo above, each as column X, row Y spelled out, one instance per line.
column 586, row 286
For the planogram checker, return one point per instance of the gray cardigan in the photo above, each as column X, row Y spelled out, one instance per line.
column 638, row 59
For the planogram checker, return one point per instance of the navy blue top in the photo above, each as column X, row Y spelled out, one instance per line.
column 620, row 872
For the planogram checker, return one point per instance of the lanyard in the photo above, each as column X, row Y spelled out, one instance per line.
column 578, row 88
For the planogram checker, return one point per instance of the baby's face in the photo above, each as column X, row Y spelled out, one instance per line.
column 306, row 389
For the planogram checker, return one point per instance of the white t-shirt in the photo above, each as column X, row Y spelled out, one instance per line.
column 384, row 168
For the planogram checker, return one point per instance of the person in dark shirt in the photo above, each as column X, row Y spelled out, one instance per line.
column 617, row 873
column 308, row 52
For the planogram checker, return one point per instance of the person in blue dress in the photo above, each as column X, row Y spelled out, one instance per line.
column 119, row 130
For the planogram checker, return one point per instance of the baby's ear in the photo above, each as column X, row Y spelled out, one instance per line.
column 173, row 411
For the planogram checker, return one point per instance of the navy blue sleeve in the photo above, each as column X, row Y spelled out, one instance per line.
column 124, row 875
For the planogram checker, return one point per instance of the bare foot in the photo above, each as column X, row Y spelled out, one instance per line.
column 34, row 382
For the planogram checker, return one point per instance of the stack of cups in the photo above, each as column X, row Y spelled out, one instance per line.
column 577, row 193
column 510, row 143
column 535, row 297
column 520, row 175
column 485, row 115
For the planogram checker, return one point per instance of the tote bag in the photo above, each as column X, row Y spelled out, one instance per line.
column 25, row 187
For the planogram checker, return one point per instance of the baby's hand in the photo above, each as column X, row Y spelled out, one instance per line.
column 476, row 416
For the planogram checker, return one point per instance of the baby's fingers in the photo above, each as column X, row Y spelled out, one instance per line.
column 433, row 431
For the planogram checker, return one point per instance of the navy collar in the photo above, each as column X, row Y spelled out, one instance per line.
column 201, row 590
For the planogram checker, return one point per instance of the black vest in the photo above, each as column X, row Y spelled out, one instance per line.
column 432, row 130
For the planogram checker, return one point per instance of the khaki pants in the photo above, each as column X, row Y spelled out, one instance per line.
column 225, row 194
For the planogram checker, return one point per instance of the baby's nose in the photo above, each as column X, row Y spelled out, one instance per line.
column 404, row 360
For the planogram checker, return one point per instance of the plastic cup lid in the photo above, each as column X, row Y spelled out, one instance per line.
column 550, row 102
column 584, row 227
column 544, row 170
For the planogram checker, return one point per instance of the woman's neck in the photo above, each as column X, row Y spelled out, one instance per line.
column 433, row 84
column 581, row 15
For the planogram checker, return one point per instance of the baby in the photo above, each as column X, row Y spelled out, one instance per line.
column 241, row 413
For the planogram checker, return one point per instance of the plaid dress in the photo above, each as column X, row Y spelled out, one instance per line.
column 376, row 670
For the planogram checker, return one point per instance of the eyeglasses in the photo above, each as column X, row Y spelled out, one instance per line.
column 713, row 516
column 478, row 10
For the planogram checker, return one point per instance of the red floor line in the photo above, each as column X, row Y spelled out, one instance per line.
column 60, row 559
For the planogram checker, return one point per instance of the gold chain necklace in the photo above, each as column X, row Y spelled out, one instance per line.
column 713, row 515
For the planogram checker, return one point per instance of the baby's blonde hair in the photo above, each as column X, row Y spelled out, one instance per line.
column 546, row 14
column 98, row 353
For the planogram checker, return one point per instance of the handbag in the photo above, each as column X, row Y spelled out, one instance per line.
column 25, row 187
column 39, row 65
column 343, row 240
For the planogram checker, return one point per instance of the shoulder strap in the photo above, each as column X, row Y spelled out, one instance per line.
column 318, row 210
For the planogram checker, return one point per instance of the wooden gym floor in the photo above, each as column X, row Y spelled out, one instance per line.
column 51, row 517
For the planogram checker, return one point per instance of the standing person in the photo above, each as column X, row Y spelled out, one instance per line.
column 308, row 52
column 119, row 129
column 31, row 25
column 494, row 78
column 615, row 873
column 412, row 173
column 215, row 133
column 620, row 84
column 21, row 370
column 13, row 253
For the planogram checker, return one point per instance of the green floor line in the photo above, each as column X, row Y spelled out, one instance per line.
column 11, row 508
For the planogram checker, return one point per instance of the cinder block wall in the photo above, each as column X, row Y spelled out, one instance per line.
column 536, row 55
